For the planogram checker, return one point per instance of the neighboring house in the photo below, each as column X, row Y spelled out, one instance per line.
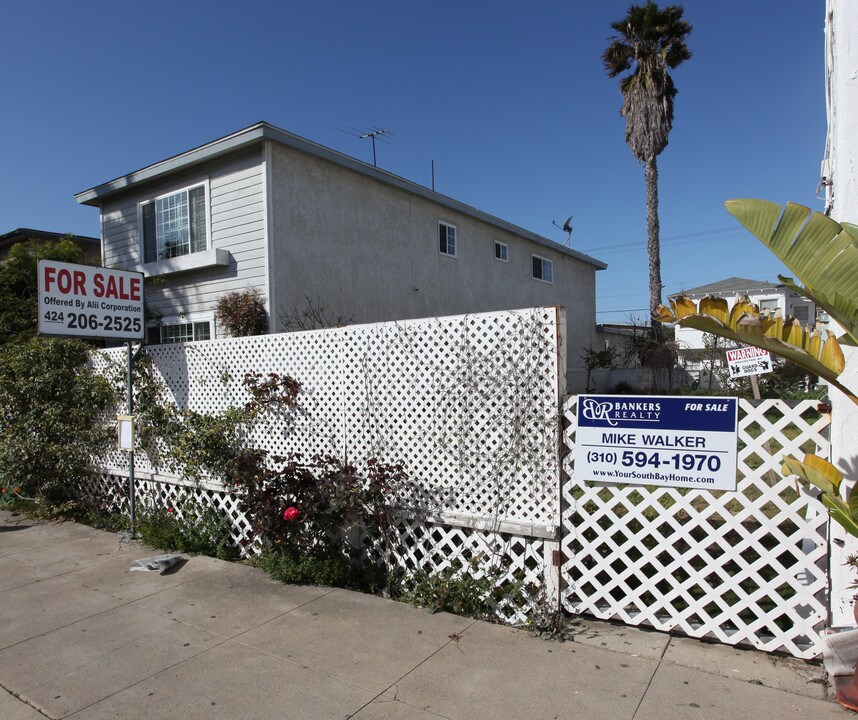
column 769, row 296
column 91, row 246
column 267, row 209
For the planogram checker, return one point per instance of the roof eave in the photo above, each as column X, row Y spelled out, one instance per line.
column 261, row 131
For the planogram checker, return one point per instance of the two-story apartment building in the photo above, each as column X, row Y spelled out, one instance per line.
column 267, row 209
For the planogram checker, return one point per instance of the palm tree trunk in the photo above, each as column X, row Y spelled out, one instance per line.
column 652, row 245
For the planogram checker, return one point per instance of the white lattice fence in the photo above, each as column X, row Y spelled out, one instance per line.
column 745, row 567
column 469, row 404
column 179, row 497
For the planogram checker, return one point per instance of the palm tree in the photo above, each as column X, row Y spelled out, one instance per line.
column 650, row 42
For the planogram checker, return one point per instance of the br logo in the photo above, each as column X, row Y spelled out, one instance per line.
column 595, row 410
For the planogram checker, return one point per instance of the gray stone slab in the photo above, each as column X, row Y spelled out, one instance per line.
column 633, row 641
column 115, row 578
column 497, row 672
column 231, row 601
column 232, row 681
column 679, row 693
column 19, row 537
column 14, row 573
column 36, row 661
column 122, row 668
column 40, row 607
column 73, row 553
column 387, row 707
column 11, row 708
column 781, row 673
column 362, row 639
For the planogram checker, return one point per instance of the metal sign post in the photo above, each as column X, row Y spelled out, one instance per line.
column 132, row 503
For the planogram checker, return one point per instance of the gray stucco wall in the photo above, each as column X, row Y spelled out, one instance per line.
column 236, row 192
column 369, row 250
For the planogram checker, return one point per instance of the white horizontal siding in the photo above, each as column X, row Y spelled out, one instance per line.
column 237, row 224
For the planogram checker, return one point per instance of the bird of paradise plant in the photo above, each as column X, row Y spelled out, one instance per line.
column 823, row 254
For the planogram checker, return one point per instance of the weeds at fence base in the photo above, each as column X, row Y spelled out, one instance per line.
column 324, row 567
column 200, row 531
column 465, row 589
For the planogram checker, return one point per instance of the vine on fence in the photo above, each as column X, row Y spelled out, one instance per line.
column 304, row 514
column 474, row 414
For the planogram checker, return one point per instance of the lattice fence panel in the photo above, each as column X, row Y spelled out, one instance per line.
column 745, row 567
column 433, row 547
column 468, row 403
column 180, row 498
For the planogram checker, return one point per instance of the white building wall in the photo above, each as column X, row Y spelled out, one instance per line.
column 370, row 252
column 840, row 169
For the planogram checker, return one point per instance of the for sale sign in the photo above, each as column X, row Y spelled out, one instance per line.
column 86, row 301
column 746, row 361
column 652, row 440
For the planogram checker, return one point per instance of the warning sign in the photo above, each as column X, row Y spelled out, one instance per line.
column 746, row 361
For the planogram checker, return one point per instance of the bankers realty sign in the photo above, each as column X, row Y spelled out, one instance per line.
column 649, row 440
column 85, row 301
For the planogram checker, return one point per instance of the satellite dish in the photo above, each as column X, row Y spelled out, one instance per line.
column 565, row 227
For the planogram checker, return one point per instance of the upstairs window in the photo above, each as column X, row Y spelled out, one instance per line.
column 543, row 269
column 447, row 239
column 501, row 251
column 175, row 224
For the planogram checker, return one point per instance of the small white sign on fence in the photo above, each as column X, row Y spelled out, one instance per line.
column 653, row 440
column 748, row 360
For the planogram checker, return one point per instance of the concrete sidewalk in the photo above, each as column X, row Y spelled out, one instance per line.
column 82, row 637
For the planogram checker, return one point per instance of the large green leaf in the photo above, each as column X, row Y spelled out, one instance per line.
column 839, row 515
column 828, row 482
column 822, row 253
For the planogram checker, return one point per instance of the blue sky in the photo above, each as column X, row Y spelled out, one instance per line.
column 509, row 99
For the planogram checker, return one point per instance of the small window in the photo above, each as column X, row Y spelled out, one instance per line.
column 770, row 304
column 179, row 333
column 501, row 251
column 801, row 313
column 175, row 224
column 543, row 269
column 447, row 239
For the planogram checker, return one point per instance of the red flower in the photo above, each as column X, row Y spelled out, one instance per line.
column 291, row 513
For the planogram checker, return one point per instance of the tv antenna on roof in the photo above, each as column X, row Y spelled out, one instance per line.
column 567, row 228
column 372, row 134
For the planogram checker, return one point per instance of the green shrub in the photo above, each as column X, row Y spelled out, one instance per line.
column 323, row 566
column 464, row 589
column 19, row 287
column 52, row 409
column 199, row 531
